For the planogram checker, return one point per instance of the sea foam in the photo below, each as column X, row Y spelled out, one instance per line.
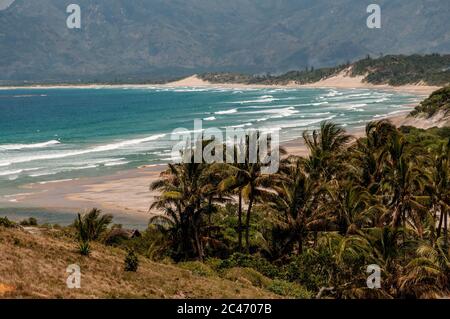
column 14, row 147
column 102, row 148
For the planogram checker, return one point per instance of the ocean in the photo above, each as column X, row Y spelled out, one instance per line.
column 49, row 135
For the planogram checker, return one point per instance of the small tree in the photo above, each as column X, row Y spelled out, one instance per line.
column 131, row 261
column 89, row 227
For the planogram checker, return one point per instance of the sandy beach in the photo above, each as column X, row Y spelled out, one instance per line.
column 340, row 81
column 127, row 193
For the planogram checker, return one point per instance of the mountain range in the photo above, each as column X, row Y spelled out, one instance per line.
column 140, row 40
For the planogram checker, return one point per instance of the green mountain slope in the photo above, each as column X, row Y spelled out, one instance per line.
column 154, row 39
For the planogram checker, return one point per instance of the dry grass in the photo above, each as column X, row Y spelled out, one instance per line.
column 34, row 266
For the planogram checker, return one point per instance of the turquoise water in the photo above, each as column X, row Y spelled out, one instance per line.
column 57, row 134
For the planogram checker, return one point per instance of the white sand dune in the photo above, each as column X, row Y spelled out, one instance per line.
column 340, row 81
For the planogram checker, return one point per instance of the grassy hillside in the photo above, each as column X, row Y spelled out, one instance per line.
column 433, row 69
column 33, row 265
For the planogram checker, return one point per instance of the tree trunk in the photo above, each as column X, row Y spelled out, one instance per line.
column 396, row 220
column 198, row 244
column 441, row 220
column 300, row 243
column 240, row 221
column 247, row 224
column 445, row 228
column 209, row 214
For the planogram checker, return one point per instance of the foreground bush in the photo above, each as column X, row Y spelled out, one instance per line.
column 251, row 261
column 5, row 222
column 131, row 261
column 29, row 222
column 289, row 289
column 249, row 276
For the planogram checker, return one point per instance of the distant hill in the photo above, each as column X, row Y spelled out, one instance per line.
column 142, row 40
column 395, row 70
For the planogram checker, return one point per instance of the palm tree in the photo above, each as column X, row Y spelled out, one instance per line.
column 90, row 227
column 296, row 202
column 440, row 190
column 379, row 246
column 367, row 157
column 250, row 183
column 253, row 186
column 403, row 182
column 427, row 275
column 325, row 146
column 181, row 196
column 92, row 224
column 352, row 207
column 234, row 184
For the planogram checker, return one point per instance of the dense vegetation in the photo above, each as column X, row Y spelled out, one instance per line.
column 321, row 220
column 433, row 69
column 439, row 101
column 309, row 231
column 309, row 75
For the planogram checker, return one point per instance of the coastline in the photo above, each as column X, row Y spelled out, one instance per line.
column 340, row 81
column 126, row 193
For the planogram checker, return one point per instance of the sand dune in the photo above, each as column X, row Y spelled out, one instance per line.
column 340, row 81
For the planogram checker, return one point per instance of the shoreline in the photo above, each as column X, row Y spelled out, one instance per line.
column 340, row 81
column 124, row 194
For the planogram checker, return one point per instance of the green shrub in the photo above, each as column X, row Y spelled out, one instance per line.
column 249, row 261
column 214, row 263
column 152, row 243
column 131, row 261
column 84, row 248
column 289, row 289
column 5, row 222
column 197, row 268
column 312, row 269
column 29, row 222
column 248, row 275
column 116, row 236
